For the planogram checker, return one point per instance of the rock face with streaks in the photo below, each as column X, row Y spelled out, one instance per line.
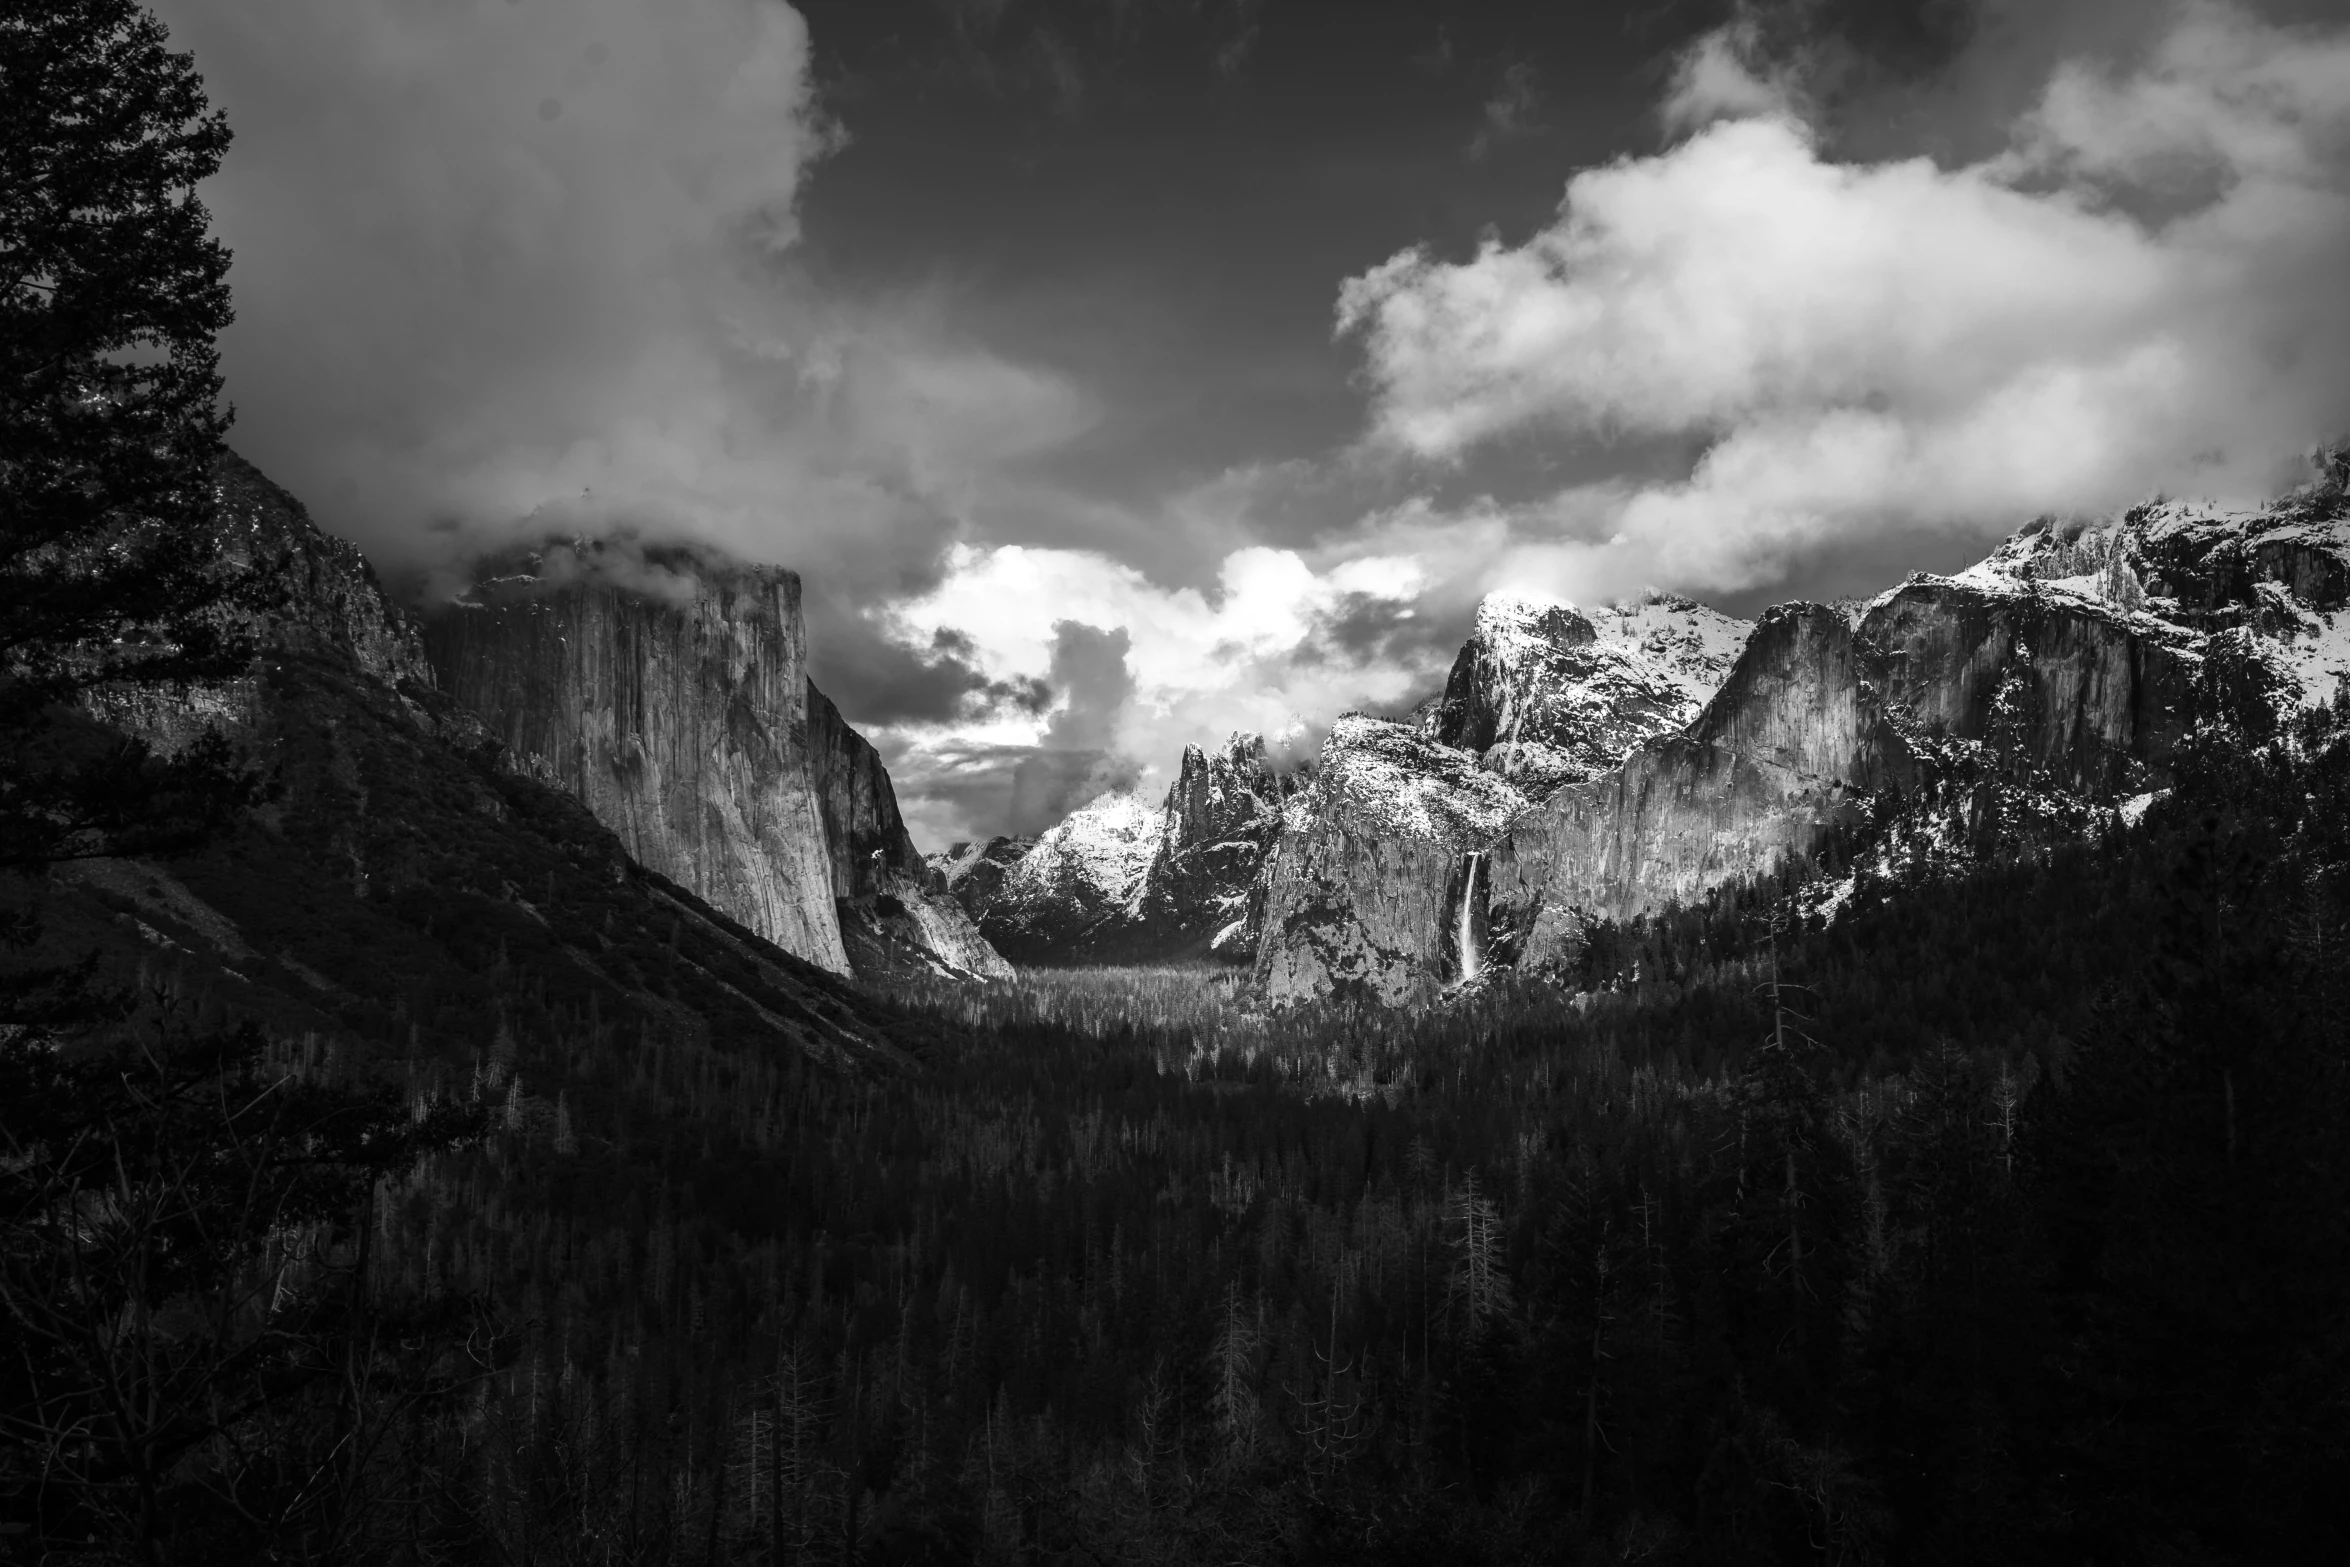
column 2019, row 701
column 669, row 693
column 1221, row 815
column 1776, row 760
column 1362, row 894
column 1355, row 897
column 404, row 878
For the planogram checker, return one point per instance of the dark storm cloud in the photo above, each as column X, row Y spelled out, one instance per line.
column 1076, row 762
column 1025, row 789
column 1065, row 55
column 1048, row 785
column 885, row 682
column 1364, row 630
column 1089, row 665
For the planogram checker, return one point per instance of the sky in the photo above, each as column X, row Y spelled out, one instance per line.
column 1122, row 373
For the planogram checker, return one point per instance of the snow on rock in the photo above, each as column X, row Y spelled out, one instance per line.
column 1083, row 873
column 1549, row 694
column 1663, row 750
column 972, row 873
column 1365, row 883
column 1123, row 880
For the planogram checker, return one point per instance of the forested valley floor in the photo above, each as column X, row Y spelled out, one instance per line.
column 2000, row 1218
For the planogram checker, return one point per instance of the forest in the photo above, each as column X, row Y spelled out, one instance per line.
column 1999, row 1217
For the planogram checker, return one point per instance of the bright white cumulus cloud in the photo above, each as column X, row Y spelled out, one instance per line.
column 2142, row 290
column 1249, row 655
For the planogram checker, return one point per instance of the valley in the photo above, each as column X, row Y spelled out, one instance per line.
column 1735, row 1197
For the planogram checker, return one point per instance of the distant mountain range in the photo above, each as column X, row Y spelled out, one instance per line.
column 1598, row 764
column 1581, row 764
column 1124, row 880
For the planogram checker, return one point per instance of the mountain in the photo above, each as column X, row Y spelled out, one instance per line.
column 668, row 691
column 2038, row 693
column 1076, row 885
column 1353, row 895
column 1119, row 881
column 1548, row 694
column 409, row 895
column 893, row 918
column 972, row 873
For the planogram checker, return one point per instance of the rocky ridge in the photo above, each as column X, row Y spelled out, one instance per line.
column 892, row 916
column 972, row 872
column 1121, row 881
column 2041, row 690
column 1548, row 694
column 1542, row 696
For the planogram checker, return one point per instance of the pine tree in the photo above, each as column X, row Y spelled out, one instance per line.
column 112, row 292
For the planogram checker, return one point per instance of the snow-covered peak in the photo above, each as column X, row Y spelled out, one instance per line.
column 1402, row 783
column 1691, row 644
column 2184, row 569
column 1101, row 850
column 1513, row 625
column 1548, row 694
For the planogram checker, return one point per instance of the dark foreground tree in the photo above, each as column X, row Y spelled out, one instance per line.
column 112, row 292
column 195, row 1362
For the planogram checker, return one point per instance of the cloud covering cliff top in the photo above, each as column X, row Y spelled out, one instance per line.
column 1120, row 376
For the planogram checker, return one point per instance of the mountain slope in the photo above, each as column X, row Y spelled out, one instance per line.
column 406, row 893
column 2021, row 700
column 669, row 692
column 1119, row 882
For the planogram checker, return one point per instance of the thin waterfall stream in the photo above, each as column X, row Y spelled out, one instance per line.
column 1468, row 933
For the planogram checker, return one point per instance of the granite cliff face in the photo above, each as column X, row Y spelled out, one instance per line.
column 670, row 695
column 1768, row 768
column 405, row 884
column 891, row 914
column 1221, row 815
column 681, row 721
column 1354, row 897
column 2029, row 696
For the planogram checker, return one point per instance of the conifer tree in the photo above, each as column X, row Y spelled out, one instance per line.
column 112, row 292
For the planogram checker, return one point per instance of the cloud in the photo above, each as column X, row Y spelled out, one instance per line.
column 1281, row 644
column 1510, row 109
column 509, row 269
column 1725, row 76
column 2140, row 290
column 1076, row 762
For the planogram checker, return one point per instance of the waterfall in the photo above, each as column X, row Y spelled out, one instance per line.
column 1468, row 934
